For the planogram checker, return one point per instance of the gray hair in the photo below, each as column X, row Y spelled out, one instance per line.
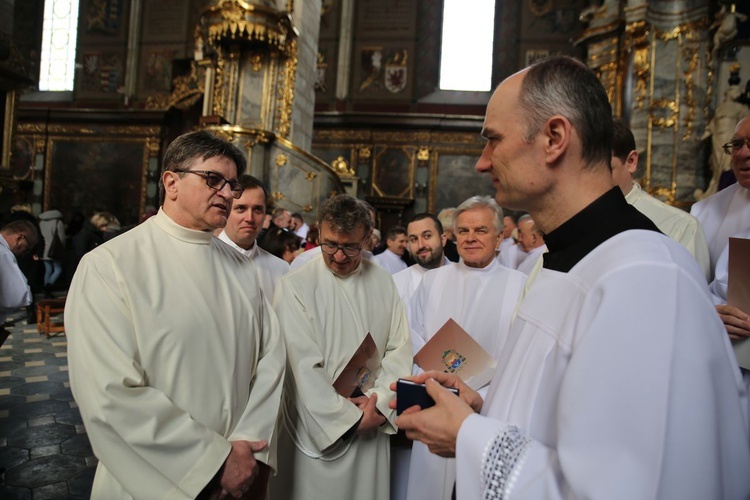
column 564, row 86
column 534, row 228
column 345, row 214
column 22, row 226
column 476, row 202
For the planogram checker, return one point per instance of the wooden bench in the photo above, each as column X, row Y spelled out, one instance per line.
column 45, row 310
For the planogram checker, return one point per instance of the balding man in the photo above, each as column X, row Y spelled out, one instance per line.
column 675, row 223
column 282, row 218
column 18, row 238
column 616, row 380
column 531, row 240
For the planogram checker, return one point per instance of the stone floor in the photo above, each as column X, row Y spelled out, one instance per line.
column 44, row 450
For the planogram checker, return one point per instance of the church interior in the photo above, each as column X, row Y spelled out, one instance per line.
column 323, row 97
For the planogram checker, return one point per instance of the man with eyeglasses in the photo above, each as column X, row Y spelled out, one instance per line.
column 333, row 446
column 241, row 233
column 18, row 237
column 675, row 223
column 727, row 212
column 176, row 359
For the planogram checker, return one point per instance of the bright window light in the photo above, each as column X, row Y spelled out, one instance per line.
column 58, row 58
column 466, row 58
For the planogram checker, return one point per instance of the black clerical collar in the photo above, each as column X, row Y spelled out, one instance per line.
column 604, row 218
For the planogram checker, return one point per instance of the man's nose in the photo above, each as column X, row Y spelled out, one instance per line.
column 484, row 163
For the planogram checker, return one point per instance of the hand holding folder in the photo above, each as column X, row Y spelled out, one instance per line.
column 361, row 371
column 452, row 350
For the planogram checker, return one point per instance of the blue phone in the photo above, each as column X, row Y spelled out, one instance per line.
column 410, row 393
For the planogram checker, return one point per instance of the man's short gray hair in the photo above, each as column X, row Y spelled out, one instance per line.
column 564, row 86
column 24, row 227
column 345, row 214
column 476, row 202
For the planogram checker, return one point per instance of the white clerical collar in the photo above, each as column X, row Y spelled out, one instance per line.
column 252, row 252
column 486, row 269
column 634, row 193
column 175, row 230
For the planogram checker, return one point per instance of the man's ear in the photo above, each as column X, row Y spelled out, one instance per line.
column 631, row 162
column 443, row 239
column 169, row 181
column 556, row 133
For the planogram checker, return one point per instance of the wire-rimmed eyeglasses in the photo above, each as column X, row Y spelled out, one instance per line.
column 350, row 250
column 735, row 145
column 216, row 181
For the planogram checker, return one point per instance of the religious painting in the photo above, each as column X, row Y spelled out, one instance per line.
column 454, row 180
column 104, row 16
column 96, row 175
column 158, row 70
column 393, row 171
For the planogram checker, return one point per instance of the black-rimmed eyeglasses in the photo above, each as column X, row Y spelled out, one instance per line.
column 735, row 145
column 216, row 181
column 351, row 250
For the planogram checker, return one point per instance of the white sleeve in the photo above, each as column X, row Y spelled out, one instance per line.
column 14, row 290
column 721, row 278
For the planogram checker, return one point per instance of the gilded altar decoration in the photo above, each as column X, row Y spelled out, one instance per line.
column 423, row 154
column 256, row 62
column 187, row 90
column 236, row 20
column 285, row 92
column 281, row 160
column 341, row 167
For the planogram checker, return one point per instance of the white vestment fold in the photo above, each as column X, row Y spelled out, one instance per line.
column 722, row 215
column 675, row 223
column 482, row 301
column 324, row 318
column 173, row 352
column 270, row 268
column 617, row 381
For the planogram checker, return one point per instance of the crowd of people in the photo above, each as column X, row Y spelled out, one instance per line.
column 206, row 344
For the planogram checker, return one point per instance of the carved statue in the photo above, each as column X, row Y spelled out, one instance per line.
column 725, row 26
column 720, row 129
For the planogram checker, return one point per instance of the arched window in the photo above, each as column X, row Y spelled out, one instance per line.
column 58, row 57
column 466, row 54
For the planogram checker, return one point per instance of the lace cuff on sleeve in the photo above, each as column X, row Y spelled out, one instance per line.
column 502, row 462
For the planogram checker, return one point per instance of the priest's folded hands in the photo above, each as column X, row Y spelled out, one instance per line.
column 437, row 426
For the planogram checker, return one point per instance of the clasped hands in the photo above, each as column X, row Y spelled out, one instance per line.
column 438, row 426
column 371, row 416
column 239, row 470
